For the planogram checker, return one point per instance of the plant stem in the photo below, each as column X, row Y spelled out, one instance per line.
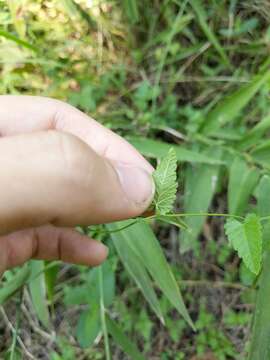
column 263, row 218
column 199, row 214
column 152, row 217
column 102, row 316
column 120, row 229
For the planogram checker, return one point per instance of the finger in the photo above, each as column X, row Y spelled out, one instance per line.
column 54, row 177
column 50, row 243
column 21, row 114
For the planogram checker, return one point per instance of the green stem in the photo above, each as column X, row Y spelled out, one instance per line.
column 199, row 214
column 152, row 217
column 102, row 316
column 120, row 229
column 263, row 218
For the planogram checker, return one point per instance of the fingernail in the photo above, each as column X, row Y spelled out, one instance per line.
column 137, row 183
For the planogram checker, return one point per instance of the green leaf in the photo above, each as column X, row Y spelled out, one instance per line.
column 108, row 280
column 262, row 194
column 131, row 9
column 201, row 14
column 142, row 240
column 157, row 149
column 242, row 181
column 261, row 153
column 50, row 278
column 123, row 341
column 75, row 10
column 246, row 239
column 136, row 269
column 252, row 136
column 14, row 283
column 165, row 183
column 263, row 206
column 89, row 326
column 37, row 289
column 17, row 40
column 200, row 186
column 259, row 347
column 230, row 107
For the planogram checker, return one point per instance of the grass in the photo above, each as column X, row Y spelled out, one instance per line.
column 188, row 74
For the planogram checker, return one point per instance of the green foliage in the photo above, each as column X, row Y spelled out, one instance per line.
column 120, row 338
column 229, row 109
column 137, row 271
column 200, row 186
column 156, row 149
column 141, row 239
column 38, row 291
column 188, row 75
column 14, row 282
column 242, row 181
column 210, row 337
column 246, row 239
column 201, row 14
column 89, row 326
column 259, row 346
column 165, row 183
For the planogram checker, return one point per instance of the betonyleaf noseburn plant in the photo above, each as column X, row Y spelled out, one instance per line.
column 165, row 180
column 244, row 233
column 244, row 236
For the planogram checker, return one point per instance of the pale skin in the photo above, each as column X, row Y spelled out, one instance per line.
column 59, row 169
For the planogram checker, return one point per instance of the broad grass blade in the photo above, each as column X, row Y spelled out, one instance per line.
column 158, row 149
column 242, row 181
column 200, row 187
column 14, row 283
column 202, row 18
column 255, row 134
column 261, row 154
column 89, row 326
column 50, row 278
column 230, row 107
column 132, row 11
column 142, row 240
column 136, row 268
column 259, row 346
column 17, row 40
column 123, row 341
column 37, row 287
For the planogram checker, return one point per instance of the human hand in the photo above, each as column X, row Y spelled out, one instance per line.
column 59, row 169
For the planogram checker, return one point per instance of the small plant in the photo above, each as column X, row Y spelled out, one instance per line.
column 244, row 233
column 187, row 75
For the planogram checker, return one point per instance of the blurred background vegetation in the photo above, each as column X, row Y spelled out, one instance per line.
column 189, row 74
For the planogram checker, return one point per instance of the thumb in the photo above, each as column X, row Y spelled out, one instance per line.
column 54, row 177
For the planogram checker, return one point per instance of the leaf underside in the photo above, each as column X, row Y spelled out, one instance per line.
column 165, row 182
